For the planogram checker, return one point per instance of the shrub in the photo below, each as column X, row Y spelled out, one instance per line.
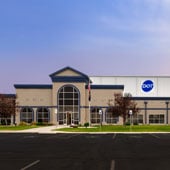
column 135, row 123
column 23, row 123
column 43, row 124
column 86, row 124
column 33, row 123
column 127, row 124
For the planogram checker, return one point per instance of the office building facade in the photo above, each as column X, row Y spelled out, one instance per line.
column 66, row 100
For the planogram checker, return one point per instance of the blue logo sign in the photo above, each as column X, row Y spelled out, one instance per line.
column 147, row 86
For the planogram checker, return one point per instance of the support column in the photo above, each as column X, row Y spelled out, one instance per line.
column 104, row 116
column 35, row 114
column 12, row 119
column 167, row 117
column 146, row 112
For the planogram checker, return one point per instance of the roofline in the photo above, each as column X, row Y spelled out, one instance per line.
column 151, row 98
column 33, row 86
column 121, row 87
column 9, row 95
column 131, row 76
column 70, row 68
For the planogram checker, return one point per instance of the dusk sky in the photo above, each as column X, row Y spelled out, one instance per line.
column 96, row 37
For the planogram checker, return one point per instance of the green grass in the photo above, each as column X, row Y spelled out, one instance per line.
column 17, row 127
column 117, row 128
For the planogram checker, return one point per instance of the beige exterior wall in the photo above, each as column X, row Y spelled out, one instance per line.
column 101, row 97
column 34, row 97
column 68, row 73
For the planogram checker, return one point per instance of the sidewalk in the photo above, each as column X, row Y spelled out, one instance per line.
column 40, row 130
column 44, row 130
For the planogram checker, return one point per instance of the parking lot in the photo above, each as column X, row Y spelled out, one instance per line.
column 85, row 151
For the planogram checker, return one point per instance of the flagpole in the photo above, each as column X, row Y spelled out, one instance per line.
column 89, row 114
column 89, row 99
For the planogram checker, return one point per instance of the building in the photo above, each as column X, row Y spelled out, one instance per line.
column 66, row 100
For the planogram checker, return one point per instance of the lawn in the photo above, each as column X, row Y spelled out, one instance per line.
column 18, row 127
column 117, row 128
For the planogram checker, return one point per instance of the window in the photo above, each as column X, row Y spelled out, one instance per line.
column 5, row 119
column 43, row 115
column 140, row 119
column 137, row 119
column 111, row 117
column 68, row 105
column 27, row 115
column 95, row 116
column 156, row 119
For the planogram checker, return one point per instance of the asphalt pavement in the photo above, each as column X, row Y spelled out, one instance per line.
column 33, row 151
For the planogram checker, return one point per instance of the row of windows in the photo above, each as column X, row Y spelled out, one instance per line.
column 156, row 119
column 68, row 102
column 27, row 115
column 43, row 115
column 111, row 119
column 68, row 95
column 97, row 118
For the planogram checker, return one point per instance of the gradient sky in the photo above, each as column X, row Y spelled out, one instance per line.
column 96, row 37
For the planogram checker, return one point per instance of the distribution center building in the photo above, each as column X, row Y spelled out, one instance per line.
column 66, row 100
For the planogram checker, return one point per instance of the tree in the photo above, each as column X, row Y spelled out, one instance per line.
column 122, row 105
column 7, row 108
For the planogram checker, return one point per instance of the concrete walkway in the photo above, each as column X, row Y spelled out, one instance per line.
column 41, row 130
column 46, row 129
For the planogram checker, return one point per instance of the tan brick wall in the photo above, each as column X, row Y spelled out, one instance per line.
column 68, row 73
column 34, row 97
column 101, row 97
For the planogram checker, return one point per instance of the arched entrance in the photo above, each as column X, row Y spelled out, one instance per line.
column 68, row 105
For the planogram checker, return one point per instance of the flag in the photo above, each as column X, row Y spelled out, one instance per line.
column 89, row 90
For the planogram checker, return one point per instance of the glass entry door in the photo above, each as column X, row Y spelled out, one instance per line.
column 68, row 118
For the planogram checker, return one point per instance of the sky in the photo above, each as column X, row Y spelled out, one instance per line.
column 96, row 37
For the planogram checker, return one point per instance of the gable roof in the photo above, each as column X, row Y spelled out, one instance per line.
column 80, row 77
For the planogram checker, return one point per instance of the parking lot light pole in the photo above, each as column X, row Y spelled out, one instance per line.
column 130, row 113
column 100, row 113
column 55, row 111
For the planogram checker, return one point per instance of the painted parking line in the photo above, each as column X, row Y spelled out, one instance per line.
column 30, row 165
column 114, row 136
column 135, row 136
column 30, row 136
column 112, row 165
column 63, row 136
column 155, row 136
